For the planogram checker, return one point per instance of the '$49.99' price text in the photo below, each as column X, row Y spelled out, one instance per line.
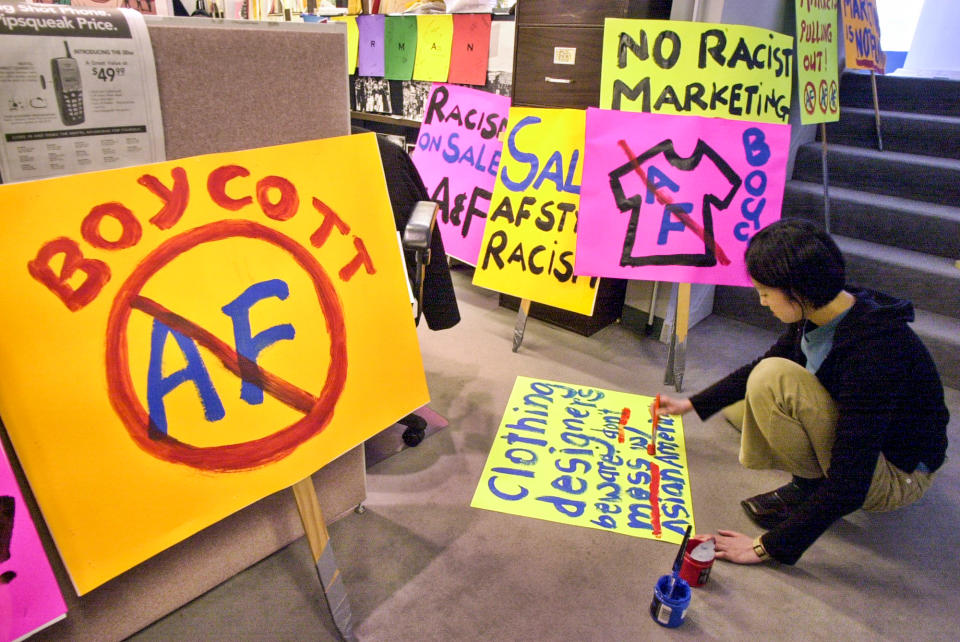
column 108, row 74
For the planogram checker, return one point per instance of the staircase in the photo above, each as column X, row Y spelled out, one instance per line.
column 895, row 214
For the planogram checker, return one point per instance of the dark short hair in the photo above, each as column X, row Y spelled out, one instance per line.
column 799, row 258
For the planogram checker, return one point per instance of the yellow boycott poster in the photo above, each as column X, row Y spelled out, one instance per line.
column 558, row 456
column 696, row 68
column 861, row 36
column 530, row 237
column 817, row 65
column 185, row 338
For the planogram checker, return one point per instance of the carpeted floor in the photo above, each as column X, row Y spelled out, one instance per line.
column 421, row 564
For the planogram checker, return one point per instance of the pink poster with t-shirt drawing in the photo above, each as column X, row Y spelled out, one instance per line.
column 676, row 198
column 458, row 156
column 30, row 598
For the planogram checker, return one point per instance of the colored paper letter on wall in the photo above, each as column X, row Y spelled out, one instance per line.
column 861, row 36
column 227, row 323
column 371, row 43
column 353, row 37
column 670, row 198
column 557, row 457
column 434, row 38
column 458, row 156
column 529, row 241
column 471, row 48
column 817, row 75
column 696, row 68
column 401, row 47
column 30, row 598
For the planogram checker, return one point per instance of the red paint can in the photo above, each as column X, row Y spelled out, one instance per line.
column 698, row 560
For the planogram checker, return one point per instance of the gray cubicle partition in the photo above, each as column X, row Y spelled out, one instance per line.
column 232, row 84
column 225, row 86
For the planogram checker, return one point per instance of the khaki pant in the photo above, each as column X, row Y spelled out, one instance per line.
column 788, row 422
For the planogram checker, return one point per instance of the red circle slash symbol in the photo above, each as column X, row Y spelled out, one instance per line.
column 823, row 96
column 250, row 454
column 809, row 98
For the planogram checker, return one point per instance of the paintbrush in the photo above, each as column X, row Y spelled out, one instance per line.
column 652, row 446
column 677, row 563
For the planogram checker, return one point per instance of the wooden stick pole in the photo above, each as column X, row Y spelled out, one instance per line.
column 683, row 322
column 677, row 356
column 826, row 178
column 876, row 109
column 651, row 315
column 331, row 580
column 521, row 324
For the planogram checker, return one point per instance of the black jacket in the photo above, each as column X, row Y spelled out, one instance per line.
column 890, row 401
column 405, row 188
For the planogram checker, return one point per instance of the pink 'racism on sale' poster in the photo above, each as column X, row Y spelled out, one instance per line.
column 458, row 157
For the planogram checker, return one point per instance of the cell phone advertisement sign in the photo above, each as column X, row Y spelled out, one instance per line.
column 78, row 91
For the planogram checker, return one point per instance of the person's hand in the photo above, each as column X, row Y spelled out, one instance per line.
column 735, row 547
column 671, row 406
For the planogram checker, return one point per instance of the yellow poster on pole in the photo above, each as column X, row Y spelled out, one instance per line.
column 588, row 457
column 817, row 61
column 696, row 68
column 529, row 241
column 185, row 338
column 861, row 36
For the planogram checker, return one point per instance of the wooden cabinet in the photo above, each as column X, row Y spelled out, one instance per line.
column 558, row 48
column 560, row 67
column 557, row 64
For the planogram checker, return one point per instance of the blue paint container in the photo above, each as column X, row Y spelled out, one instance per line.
column 671, row 597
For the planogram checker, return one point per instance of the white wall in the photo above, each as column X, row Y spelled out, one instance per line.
column 697, row 10
column 934, row 51
column 898, row 21
column 769, row 14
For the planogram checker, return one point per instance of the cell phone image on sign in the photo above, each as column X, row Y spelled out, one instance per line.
column 66, row 84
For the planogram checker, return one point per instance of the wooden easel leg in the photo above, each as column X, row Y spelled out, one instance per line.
column 677, row 356
column 876, row 109
column 653, row 305
column 826, row 178
column 668, row 375
column 331, row 579
column 521, row 324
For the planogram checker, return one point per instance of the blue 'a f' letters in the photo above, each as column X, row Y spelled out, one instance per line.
column 249, row 346
column 159, row 386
